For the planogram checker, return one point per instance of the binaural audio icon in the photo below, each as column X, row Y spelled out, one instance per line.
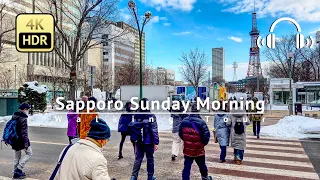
column 271, row 38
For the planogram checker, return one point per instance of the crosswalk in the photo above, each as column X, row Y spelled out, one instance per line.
column 265, row 158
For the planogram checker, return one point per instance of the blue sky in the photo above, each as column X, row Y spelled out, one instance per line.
column 181, row 25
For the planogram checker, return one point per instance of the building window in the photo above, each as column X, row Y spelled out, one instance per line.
column 106, row 60
column 105, row 43
column 105, row 53
column 37, row 59
column 105, row 36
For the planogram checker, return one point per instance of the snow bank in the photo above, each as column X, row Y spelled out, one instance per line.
column 40, row 89
column 59, row 120
column 294, row 127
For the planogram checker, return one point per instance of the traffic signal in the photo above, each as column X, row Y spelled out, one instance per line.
column 215, row 86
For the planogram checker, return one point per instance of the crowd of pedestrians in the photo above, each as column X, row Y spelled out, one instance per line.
column 83, row 157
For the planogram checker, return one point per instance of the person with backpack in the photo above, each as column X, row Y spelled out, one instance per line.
column 221, row 132
column 195, row 135
column 123, row 127
column 177, row 120
column 72, row 124
column 84, row 159
column 85, row 119
column 238, row 122
column 144, row 132
column 255, row 118
column 21, row 142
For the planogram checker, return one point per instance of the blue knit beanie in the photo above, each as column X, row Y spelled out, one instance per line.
column 24, row 106
column 99, row 130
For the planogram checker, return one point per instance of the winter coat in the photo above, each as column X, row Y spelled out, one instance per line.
column 150, row 130
column 177, row 120
column 222, row 129
column 254, row 117
column 193, row 140
column 124, row 121
column 72, row 124
column 23, row 141
column 83, row 161
column 85, row 120
column 238, row 141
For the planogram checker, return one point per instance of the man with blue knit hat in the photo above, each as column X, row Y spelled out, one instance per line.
column 84, row 159
column 23, row 142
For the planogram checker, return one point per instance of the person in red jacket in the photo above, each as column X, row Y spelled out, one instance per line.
column 195, row 135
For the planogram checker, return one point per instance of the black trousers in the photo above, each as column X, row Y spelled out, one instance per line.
column 123, row 139
column 142, row 149
column 201, row 162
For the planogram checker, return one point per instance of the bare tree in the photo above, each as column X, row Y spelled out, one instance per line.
column 7, row 78
column 57, row 78
column 194, row 68
column 104, row 78
column 88, row 19
column 305, row 61
column 231, row 88
column 127, row 74
column 7, row 27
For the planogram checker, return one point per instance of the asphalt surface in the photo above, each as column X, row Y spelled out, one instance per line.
column 47, row 144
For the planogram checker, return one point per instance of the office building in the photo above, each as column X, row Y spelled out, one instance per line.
column 218, row 62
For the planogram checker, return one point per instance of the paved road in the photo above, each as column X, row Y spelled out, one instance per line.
column 267, row 158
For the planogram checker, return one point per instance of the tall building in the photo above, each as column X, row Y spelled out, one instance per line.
column 135, row 31
column 46, row 68
column 165, row 76
column 254, row 67
column 218, row 62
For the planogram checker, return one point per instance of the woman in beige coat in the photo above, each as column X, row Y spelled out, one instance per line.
column 84, row 160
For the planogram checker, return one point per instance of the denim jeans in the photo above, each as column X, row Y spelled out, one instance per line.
column 140, row 150
column 223, row 153
column 256, row 127
column 201, row 162
column 238, row 154
column 21, row 162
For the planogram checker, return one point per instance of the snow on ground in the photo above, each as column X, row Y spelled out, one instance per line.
column 294, row 127
column 285, row 107
column 59, row 120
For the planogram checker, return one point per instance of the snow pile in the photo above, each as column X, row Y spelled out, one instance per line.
column 294, row 127
column 40, row 89
column 59, row 120
column 100, row 96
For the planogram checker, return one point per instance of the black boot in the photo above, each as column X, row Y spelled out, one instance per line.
column 173, row 157
column 18, row 174
column 120, row 156
column 152, row 178
column 207, row 178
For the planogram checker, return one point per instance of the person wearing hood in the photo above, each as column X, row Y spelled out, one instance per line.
column 255, row 118
column 177, row 119
column 84, row 160
column 146, row 139
column 238, row 122
column 23, row 142
column 72, row 124
column 195, row 135
column 221, row 132
column 86, row 118
column 123, row 127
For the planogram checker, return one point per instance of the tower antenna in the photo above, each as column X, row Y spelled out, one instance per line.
column 234, row 66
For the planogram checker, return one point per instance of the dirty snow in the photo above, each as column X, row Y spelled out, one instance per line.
column 40, row 89
column 59, row 120
column 294, row 127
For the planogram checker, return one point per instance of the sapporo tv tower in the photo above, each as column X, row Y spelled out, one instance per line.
column 254, row 68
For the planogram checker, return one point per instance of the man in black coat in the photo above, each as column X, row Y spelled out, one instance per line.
column 22, row 143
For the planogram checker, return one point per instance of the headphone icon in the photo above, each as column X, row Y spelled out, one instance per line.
column 271, row 38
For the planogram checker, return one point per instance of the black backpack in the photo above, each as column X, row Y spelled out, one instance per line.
column 239, row 127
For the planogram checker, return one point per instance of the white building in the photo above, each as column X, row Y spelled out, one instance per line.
column 303, row 92
column 218, row 62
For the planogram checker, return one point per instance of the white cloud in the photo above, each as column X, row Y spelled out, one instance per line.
column 220, row 39
column 167, row 24
column 158, row 8
column 211, row 28
column 154, row 19
column 314, row 32
column 182, row 33
column 300, row 10
column 124, row 15
column 184, row 5
column 236, row 39
column 199, row 11
column 163, row 18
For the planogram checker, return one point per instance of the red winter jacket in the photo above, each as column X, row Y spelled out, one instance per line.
column 193, row 140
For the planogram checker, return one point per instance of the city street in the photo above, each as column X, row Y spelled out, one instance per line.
column 266, row 158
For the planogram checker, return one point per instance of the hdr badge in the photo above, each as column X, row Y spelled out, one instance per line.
column 34, row 32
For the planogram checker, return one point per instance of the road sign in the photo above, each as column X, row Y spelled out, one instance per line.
column 34, row 32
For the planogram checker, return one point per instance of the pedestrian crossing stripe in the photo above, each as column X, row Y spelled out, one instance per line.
column 264, row 158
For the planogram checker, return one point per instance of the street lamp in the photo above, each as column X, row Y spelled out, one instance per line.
column 290, row 56
column 146, row 18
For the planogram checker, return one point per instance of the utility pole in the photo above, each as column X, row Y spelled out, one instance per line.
column 290, row 56
column 258, row 66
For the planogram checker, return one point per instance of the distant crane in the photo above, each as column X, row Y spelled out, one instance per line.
column 234, row 66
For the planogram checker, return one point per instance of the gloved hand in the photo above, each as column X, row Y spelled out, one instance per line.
column 113, row 179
